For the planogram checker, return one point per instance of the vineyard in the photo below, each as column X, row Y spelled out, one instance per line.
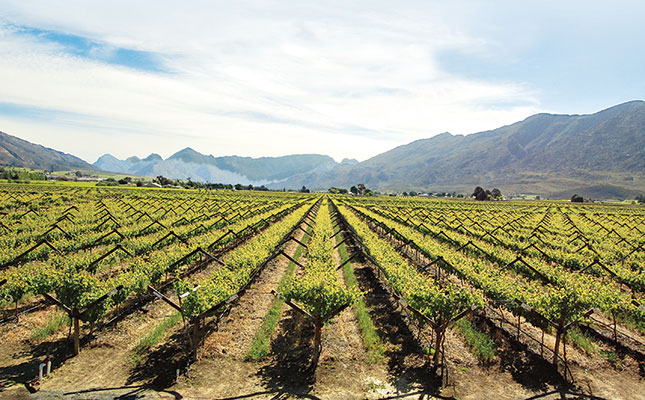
column 218, row 294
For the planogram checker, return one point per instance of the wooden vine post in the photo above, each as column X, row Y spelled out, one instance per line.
column 318, row 321
column 76, row 315
column 318, row 324
column 560, row 332
column 195, row 339
column 77, row 331
column 439, row 328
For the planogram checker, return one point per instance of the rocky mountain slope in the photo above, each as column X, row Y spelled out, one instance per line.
column 17, row 152
column 545, row 153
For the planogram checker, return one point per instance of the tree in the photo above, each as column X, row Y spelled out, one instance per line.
column 576, row 199
column 353, row 189
column 304, row 189
column 335, row 190
column 479, row 194
column 163, row 181
column 497, row 194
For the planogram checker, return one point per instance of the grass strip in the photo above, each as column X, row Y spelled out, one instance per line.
column 260, row 346
column 152, row 338
column 482, row 345
column 582, row 341
column 55, row 322
column 371, row 340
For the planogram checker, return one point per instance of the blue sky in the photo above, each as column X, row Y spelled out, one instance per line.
column 90, row 49
column 269, row 78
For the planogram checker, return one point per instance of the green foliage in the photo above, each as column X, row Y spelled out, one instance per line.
column 566, row 238
column 335, row 190
column 240, row 265
column 318, row 289
column 54, row 323
column 371, row 340
column 148, row 341
column 582, row 341
column 260, row 346
column 421, row 292
column 552, row 290
column 163, row 181
column 21, row 174
column 481, row 344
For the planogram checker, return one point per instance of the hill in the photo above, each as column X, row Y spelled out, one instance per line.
column 17, row 152
column 544, row 154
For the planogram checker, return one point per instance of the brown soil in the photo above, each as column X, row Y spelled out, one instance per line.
column 236, row 332
column 20, row 355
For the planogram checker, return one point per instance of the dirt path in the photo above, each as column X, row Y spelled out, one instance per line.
column 20, row 354
column 237, row 330
column 343, row 371
column 106, row 361
column 221, row 370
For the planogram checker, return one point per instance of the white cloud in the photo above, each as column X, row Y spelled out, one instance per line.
column 283, row 78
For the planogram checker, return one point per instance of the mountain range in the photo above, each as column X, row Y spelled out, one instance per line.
column 544, row 154
column 189, row 163
column 599, row 155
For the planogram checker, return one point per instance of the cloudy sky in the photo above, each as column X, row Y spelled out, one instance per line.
column 269, row 78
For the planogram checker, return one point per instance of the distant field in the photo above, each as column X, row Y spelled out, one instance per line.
column 104, row 175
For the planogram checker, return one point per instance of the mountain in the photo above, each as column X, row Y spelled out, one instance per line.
column 276, row 168
column 349, row 161
column 544, row 154
column 230, row 169
column 16, row 152
column 153, row 157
